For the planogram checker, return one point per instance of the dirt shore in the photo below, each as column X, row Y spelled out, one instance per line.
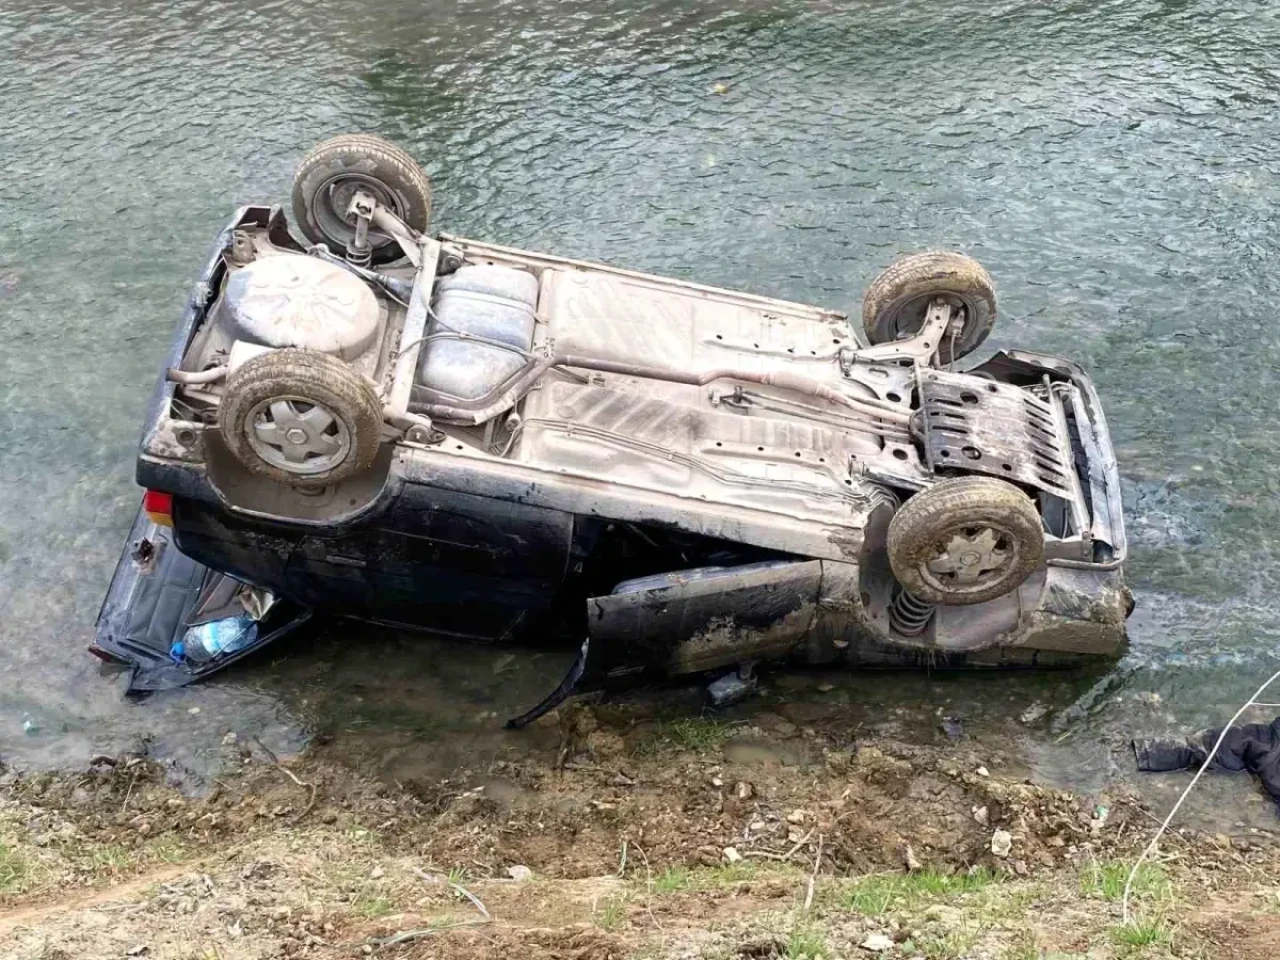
column 616, row 837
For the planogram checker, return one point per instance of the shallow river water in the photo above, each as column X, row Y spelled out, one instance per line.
column 1114, row 165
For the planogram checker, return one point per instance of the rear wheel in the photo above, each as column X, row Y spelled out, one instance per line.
column 965, row 540
column 331, row 174
column 896, row 302
column 297, row 416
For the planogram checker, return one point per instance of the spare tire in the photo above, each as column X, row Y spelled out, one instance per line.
column 297, row 416
column 897, row 300
column 965, row 540
column 333, row 171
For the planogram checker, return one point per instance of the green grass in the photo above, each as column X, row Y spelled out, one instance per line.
column 611, row 913
column 373, row 907
column 108, row 858
column 1025, row 949
column 1143, row 932
column 458, row 876
column 13, row 868
column 805, row 943
column 678, row 879
column 952, row 945
column 168, row 849
column 693, row 733
column 1106, row 880
column 874, row 895
column 673, row 880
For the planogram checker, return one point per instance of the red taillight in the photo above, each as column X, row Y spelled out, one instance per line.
column 159, row 507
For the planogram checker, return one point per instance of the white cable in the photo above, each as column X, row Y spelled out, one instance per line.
column 1150, row 848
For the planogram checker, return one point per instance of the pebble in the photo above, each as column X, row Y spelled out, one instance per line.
column 519, row 872
column 877, row 943
column 731, row 855
column 744, row 790
column 984, row 772
column 981, row 816
column 796, row 816
column 1033, row 713
column 1001, row 843
column 377, row 873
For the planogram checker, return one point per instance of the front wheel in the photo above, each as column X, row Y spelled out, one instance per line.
column 332, row 173
column 898, row 299
column 965, row 540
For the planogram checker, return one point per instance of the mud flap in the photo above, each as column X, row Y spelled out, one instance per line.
column 156, row 594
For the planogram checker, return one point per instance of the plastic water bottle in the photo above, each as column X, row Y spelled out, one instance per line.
column 217, row 638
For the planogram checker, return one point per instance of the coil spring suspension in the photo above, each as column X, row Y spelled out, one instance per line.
column 909, row 615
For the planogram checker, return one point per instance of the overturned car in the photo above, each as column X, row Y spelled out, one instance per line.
column 440, row 433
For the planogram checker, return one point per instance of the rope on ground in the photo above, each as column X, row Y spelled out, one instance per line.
column 1208, row 761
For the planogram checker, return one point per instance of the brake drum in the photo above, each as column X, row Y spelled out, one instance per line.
column 292, row 300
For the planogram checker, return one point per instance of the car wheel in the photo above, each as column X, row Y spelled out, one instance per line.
column 297, row 416
column 329, row 177
column 965, row 540
column 896, row 302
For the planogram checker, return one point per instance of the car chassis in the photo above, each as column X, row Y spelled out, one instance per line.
column 688, row 479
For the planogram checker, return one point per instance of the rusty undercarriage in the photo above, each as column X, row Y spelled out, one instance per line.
column 453, row 435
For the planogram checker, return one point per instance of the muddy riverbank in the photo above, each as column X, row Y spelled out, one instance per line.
column 615, row 835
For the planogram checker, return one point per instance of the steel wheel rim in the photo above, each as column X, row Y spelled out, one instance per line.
column 297, row 435
column 334, row 195
column 970, row 559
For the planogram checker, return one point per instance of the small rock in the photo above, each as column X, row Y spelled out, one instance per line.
column 717, row 782
column 1001, row 843
column 952, row 728
column 826, row 687
column 877, row 943
column 909, row 858
column 377, row 873
column 1033, row 713
column 984, row 772
column 137, row 951
column 731, row 855
column 796, row 816
column 519, row 872
column 229, row 739
column 981, row 816
column 193, row 711
column 744, row 790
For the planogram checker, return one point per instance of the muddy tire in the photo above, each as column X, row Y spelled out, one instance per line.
column 297, row 416
column 331, row 173
column 895, row 304
column 965, row 540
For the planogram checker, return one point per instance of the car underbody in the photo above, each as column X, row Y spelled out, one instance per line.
column 478, row 440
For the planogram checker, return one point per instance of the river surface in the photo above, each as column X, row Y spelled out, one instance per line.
column 1113, row 164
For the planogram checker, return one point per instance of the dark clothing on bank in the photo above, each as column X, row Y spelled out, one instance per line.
column 1254, row 747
